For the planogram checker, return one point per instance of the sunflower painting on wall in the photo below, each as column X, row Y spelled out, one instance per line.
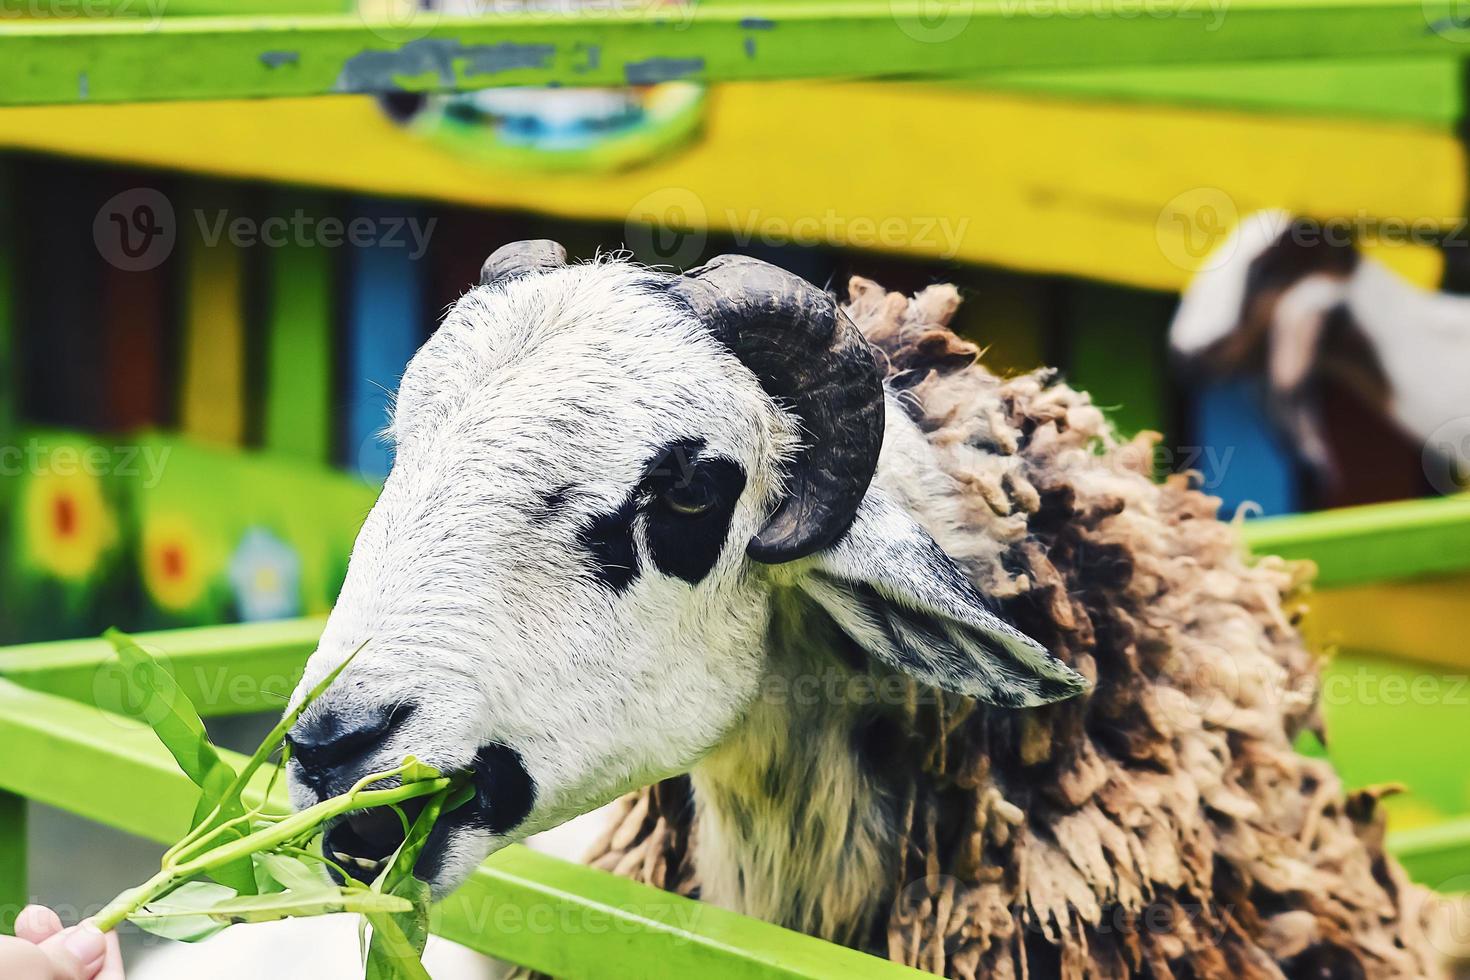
column 175, row 562
column 67, row 524
column 62, row 562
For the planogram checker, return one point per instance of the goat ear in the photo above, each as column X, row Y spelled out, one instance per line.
column 891, row 588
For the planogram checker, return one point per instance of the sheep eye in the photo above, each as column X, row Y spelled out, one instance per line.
column 692, row 497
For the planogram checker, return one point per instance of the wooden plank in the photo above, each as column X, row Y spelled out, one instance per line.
column 1022, row 182
column 243, row 57
column 385, row 324
column 14, row 870
column 9, row 375
column 135, row 314
column 212, row 397
column 1378, row 543
column 60, row 361
column 299, row 328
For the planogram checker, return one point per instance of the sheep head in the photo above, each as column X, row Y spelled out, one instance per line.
column 604, row 478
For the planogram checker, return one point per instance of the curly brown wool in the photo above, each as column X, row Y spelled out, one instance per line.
column 1162, row 826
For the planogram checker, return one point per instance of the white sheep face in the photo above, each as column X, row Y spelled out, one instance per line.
column 521, row 582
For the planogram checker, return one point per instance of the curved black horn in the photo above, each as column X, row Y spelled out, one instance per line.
column 521, row 258
column 808, row 354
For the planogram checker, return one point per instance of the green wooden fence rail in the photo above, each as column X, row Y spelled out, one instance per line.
column 564, row 919
column 1375, row 543
column 156, row 58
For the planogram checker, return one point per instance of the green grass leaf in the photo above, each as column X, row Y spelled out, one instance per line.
column 396, row 948
column 398, row 941
column 296, row 875
column 182, row 915
column 281, row 905
column 176, row 722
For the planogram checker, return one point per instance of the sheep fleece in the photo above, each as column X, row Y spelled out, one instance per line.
column 1162, row 826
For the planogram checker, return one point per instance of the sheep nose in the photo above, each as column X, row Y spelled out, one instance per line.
column 327, row 741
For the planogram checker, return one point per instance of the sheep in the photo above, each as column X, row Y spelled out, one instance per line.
column 865, row 640
column 1296, row 301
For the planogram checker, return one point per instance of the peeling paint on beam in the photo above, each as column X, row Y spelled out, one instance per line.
column 229, row 57
column 448, row 62
column 651, row 71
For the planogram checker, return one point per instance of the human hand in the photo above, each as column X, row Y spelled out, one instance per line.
column 43, row 950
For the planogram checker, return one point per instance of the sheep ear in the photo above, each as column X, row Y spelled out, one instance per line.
column 891, row 588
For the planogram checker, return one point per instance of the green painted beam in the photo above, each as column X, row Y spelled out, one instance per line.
column 1436, row 855
column 1424, row 91
column 154, row 10
column 526, row 907
column 242, row 57
column 1377, row 543
column 225, row 670
column 574, row 922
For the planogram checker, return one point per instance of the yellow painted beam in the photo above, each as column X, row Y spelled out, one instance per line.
column 1413, row 620
column 1133, row 194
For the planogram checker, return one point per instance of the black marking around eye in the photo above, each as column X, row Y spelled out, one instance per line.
column 686, row 546
column 609, row 540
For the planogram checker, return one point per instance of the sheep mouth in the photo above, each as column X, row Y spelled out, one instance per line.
column 362, row 842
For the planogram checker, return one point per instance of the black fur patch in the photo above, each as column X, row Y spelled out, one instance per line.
column 504, row 795
column 685, row 545
column 609, row 540
column 504, row 790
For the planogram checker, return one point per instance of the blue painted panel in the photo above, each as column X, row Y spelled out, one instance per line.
column 385, row 323
column 1240, row 453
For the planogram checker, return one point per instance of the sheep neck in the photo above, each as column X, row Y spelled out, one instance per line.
column 794, row 820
